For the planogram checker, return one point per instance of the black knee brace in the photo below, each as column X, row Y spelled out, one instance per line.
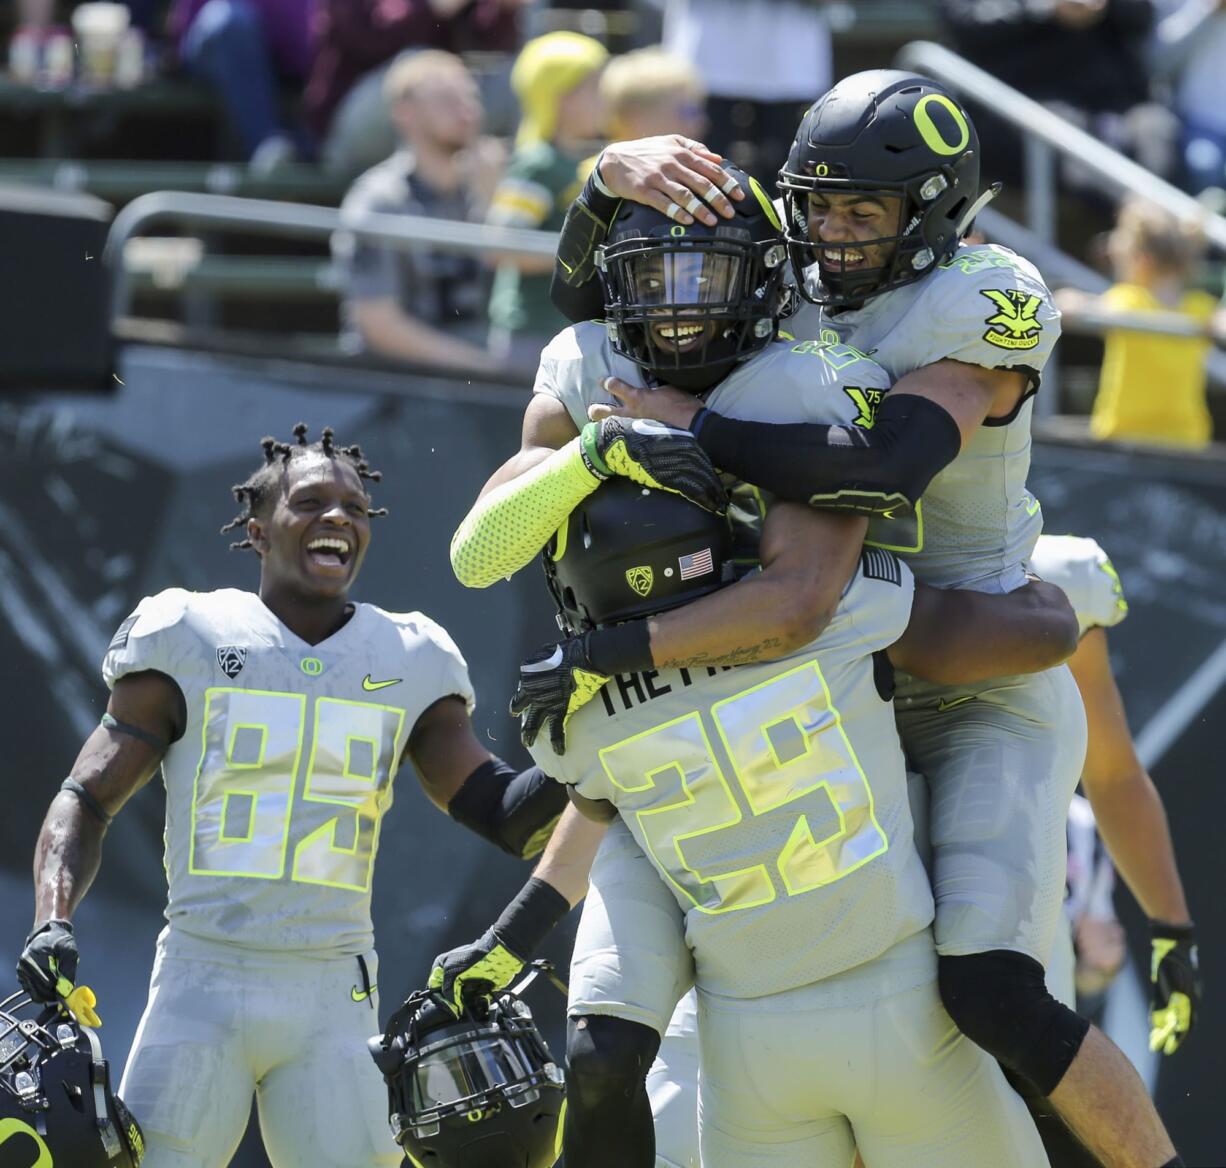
column 999, row 1000
column 608, row 1058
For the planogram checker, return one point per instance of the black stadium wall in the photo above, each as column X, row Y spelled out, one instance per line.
column 106, row 499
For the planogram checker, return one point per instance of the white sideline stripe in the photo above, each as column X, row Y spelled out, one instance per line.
column 1163, row 730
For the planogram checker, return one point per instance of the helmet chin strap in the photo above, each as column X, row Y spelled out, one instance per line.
column 968, row 216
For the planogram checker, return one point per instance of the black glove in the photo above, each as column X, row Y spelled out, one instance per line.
column 477, row 970
column 553, row 683
column 654, row 455
column 47, row 967
column 1175, row 989
column 494, row 960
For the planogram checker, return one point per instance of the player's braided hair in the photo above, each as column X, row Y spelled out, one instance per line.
column 262, row 484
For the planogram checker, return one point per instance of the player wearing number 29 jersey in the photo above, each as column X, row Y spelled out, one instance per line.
column 278, row 721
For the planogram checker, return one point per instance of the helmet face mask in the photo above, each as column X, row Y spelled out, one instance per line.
column 55, row 1092
column 881, row 135
column 479, row 1091
column 687, row 304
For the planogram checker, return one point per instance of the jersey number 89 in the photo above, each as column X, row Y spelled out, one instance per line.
column 247, row 784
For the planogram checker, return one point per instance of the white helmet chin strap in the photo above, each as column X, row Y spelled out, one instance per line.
column 964, row 224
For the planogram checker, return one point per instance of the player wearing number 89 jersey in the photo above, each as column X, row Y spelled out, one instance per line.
column 278, row 721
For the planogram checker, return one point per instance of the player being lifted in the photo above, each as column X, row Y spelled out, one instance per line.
column 881, row 183
column 279, row 720
column 705, row 306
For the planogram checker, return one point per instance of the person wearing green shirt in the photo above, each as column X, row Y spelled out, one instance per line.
column 557, row 81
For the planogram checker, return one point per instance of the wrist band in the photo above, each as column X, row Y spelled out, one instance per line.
column 624, row 648
column 528, row 919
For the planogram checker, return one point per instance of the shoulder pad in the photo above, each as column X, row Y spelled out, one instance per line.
column 137, row 643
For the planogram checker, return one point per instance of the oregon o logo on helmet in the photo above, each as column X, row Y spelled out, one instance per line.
column 933, row 138
column 11, row 1128
column 677, row 229
column 821, row 170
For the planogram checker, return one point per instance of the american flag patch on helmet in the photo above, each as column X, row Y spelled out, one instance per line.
column 698, row 564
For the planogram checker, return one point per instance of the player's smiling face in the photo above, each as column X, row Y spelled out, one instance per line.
column 316, row 535
column 848, row 220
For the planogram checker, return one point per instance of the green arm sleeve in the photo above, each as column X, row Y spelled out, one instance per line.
column 508, row 527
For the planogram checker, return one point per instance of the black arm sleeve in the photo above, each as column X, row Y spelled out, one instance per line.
column 515, row 810
column 877, row 471
column 575, row 290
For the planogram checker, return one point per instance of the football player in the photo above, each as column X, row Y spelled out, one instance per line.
column 278, row 719
column 881, row 183
column 772, row 801
column 1126, row 805
column 700, row 305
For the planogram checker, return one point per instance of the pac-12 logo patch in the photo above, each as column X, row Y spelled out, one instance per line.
column 231, row 658
column 640, row 579
column 1014, row 325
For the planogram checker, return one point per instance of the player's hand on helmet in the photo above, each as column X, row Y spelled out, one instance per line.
column 47, row 967
column 1175, row 985
column 474, row 971
column 673, row 407
column 678, row 176
column 554, row 682
column 655, row 455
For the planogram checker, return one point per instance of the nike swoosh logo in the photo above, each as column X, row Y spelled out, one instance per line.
column 370, row 686
column 361, row 995
column 943, row 705
column 551, row 662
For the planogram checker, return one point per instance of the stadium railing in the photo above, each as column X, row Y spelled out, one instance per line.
column 1045, row 135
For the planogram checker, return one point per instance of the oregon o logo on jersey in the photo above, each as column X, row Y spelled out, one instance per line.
column 1014, row 324
column 640, row 579
column 12, row 1128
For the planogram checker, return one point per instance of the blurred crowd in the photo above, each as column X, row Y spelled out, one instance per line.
column 466, row 110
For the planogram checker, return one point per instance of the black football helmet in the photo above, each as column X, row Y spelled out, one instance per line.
column 478, row 1091
column 56, row 1102
column 686, row 304
column 886, row 134
column 629, row 551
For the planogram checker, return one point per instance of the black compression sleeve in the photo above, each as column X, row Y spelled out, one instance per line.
column 575, row 290
column 876, row 471
column 516, row 811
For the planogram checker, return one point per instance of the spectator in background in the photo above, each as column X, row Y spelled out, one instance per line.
column 355, row 41
column 1190, row 51
column 763, row 62
column 649, row 92
column 557, row 80
column 1086, row 59
column 1152, row 387
column 242, row 49
column 421, row 305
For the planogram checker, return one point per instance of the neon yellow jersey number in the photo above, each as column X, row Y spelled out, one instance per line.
column 247, row 782
column 351, row 765
column 794, row 765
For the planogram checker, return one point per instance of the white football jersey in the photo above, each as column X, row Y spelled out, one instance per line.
column 275, row 791
column 771, row 798
column 984, row 305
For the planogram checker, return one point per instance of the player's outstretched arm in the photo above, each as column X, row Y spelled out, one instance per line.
column 144, row 715
column 525, row 503
column 1132, row 822
column 514, row 810
column 559, row 882
column 958, row 637
column 807, row 558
